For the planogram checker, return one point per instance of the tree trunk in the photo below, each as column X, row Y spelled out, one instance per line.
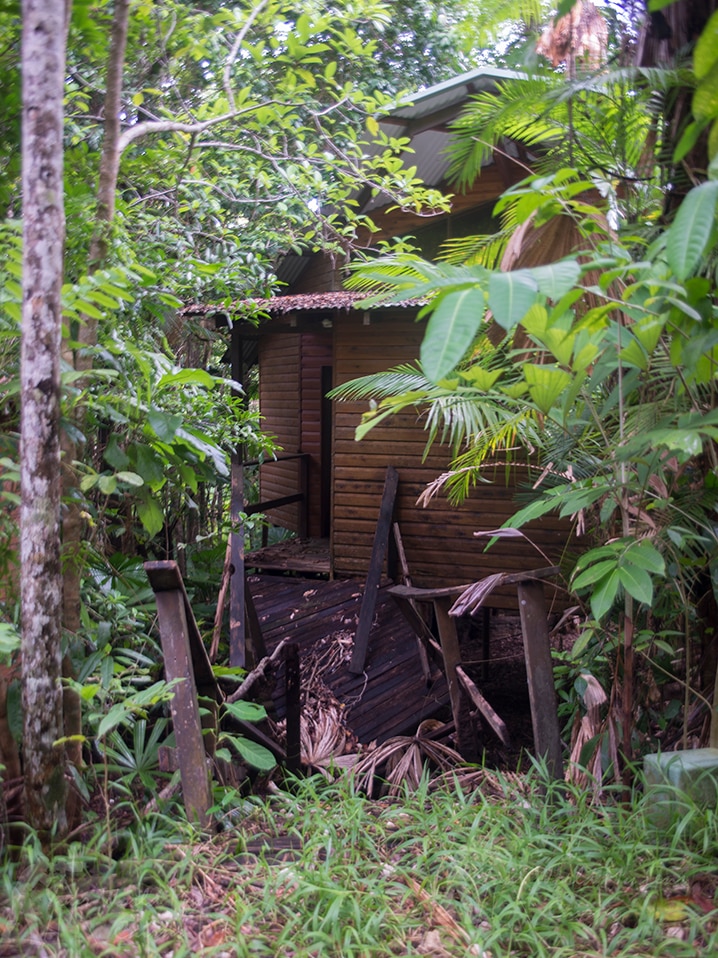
column 73, row 524
column 43, row 74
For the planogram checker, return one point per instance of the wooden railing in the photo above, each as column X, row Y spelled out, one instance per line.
column 243, row 622
column 302, row 496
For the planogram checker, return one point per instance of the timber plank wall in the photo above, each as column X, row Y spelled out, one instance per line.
column 279, row 402
column 291, row 405
column 439, row 542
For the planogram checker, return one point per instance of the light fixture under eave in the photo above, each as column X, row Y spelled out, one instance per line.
column 327, row 323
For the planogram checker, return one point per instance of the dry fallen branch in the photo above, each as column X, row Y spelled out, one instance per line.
column 258, row 673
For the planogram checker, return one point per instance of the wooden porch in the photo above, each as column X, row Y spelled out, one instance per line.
column 390, row 696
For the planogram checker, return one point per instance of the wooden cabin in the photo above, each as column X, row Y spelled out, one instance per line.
column 327, row 486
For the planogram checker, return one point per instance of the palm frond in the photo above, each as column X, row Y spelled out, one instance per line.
column 517, row 111
column 603, row 122
column 394, row 382
column 485, row 251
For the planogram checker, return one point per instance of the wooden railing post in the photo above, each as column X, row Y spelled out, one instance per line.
column 237, row 624
column 185, row 660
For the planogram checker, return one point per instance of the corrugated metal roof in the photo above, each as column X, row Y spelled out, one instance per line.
column 448, row 95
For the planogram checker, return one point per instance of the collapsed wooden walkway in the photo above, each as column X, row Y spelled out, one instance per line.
column 390, row 696
column 386, row 690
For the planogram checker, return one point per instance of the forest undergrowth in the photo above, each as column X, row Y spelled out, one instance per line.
column 474, row 863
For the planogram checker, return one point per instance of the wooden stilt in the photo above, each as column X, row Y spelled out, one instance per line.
column 539, row 671
column 293, row 690
column 465, row 728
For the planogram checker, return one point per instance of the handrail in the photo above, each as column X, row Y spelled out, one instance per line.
column 302, row 496
column 280, row 457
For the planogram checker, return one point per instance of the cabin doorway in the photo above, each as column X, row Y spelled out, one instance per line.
column 315, row 425
column 327, row 377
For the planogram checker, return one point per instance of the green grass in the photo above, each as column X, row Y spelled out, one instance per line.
column 510, row 869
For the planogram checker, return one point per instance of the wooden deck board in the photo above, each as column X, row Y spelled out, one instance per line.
column 390, row 696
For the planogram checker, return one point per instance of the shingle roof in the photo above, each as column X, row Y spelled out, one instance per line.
column 280, row 305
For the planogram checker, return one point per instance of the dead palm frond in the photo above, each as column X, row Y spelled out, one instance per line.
column 484, row 783
column 400, row 761
column 581, row 34
column 325, row 741
column 593, row 740
column 323, row 738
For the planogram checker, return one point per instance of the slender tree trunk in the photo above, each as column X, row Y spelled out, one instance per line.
column 43, row 74
column 109, row 159
column 73, row 524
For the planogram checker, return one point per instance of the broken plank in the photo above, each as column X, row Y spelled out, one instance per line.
column 483, row 706
column 164, row 576
column 373, row 580
column 406, row 576
column 415, row 620
column 465, row 732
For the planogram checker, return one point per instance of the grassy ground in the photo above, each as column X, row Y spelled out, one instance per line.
column 502, row 869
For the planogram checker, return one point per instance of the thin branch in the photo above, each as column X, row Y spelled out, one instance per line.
column 167, row 126
column 175, row 126
column 234, row 52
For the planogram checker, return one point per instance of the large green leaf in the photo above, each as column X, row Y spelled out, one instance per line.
column 637, row 582
column 114, row 455
column 511, row 295
column 575, row 498
column 705, row 98
column 534, row 510
column 557, row 279
column 253, row 754
column 560, row 343
column 481, row 378
column 644, row 555
column 148, row 464
column 594, row 573
column 164, row 424
column 450, row 331
column 246, row 711
column 188, row 377
column 688, row 236
column 604, row 595
column 130, row 478
column 151, row 516
column 546, row 383
column 706, row 52
column 205, row 448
